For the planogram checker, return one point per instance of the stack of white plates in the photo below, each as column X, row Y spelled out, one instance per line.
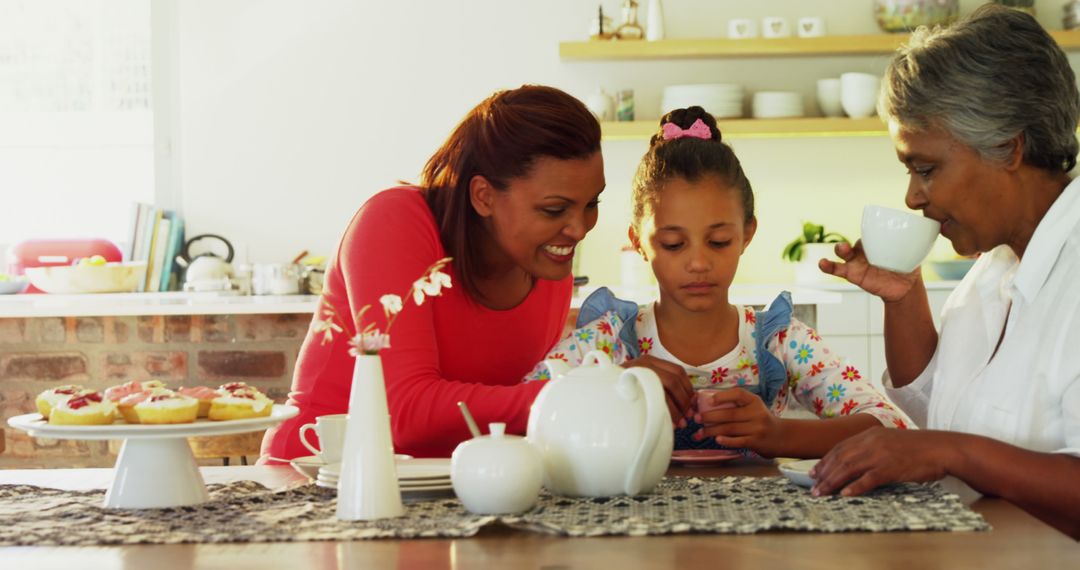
column 414, row 475
column 722, row 100
column 778, row 104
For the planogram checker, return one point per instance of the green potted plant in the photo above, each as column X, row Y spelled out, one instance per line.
column 805, row 251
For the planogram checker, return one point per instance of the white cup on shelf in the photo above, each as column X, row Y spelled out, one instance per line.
column 859, row 94
column 828, row 97
column 775, row 27
column 811, row 27
column 742, row 29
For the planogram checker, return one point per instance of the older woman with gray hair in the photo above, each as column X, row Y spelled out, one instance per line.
column 984, row 116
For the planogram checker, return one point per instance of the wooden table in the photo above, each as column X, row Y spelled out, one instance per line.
column 1017, row 541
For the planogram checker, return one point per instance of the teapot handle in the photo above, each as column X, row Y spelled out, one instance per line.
column 657, row 418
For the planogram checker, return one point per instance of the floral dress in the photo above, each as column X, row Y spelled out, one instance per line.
column 814, row 377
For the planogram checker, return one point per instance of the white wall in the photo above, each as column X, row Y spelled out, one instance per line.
column 292, row 113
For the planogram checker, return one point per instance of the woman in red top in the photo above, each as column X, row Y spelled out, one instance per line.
column 509, row 195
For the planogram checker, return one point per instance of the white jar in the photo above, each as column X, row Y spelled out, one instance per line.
column 496, row 473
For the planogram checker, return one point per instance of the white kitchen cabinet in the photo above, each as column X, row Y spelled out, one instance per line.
column 854, row 328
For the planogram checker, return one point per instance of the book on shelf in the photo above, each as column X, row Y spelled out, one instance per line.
column 157, row 236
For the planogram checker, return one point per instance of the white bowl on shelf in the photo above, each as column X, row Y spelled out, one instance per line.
column 75, row 279
column 778, row 105
column 13, row 286
column 719, row 99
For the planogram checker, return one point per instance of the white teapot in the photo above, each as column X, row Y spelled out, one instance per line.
column 601, row 430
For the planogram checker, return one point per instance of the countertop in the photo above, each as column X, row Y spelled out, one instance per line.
column 214, row 303
column 173, row 303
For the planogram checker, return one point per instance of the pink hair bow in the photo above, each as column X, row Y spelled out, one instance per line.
column 698, row 130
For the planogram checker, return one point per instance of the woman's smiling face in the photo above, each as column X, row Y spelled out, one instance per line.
column 693, row 235
column 953, row 184
column 537, row 221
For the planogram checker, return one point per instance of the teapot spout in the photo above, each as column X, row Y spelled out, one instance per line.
column 557, row 367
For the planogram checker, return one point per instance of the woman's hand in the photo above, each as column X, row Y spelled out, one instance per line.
column 677, row 386
column 880, row 456
column 857, row 270
column 739, row 418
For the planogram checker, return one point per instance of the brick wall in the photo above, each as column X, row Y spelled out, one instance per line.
column 39, row 353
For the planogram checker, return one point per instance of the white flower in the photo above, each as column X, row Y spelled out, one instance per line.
column 431, row 289
column 391, row 304
column 370, row 342
column 418, row 292
column 441, row 279
column 327, row 328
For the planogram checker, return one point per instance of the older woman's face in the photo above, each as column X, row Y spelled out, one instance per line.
column 952, row 184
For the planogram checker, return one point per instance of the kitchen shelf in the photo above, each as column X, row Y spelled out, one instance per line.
column 802, row 127
column 871, row 44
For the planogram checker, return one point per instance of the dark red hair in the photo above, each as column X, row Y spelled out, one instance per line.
column 500, row 139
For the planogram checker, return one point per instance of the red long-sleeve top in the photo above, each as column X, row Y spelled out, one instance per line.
column 446, row 350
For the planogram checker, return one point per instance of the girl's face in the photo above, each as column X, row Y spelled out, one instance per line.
column 693, row 239
column 538, row 220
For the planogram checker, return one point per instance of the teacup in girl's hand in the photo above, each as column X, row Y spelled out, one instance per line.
column 703, row 401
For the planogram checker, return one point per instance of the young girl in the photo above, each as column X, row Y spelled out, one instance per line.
column 693, row 216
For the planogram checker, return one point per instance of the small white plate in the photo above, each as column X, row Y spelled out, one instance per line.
column 405, row 490
column 333, row 479
column 798, row 472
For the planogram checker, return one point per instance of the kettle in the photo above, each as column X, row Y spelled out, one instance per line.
column 601, row 430
column 206, row 271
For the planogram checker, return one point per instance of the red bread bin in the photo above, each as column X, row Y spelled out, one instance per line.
column 52, row 252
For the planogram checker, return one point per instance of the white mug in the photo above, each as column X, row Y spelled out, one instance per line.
column 775, row 27
column 331, row 432
column 828, row 97
column 741, row 29
column 896, row 240
column 811, row 27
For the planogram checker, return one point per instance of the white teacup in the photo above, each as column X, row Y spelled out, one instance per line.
column 331, row 432
column 859, row 94
column 828, row 97
column 775, row 27
column 741, row 29
column 896, row 240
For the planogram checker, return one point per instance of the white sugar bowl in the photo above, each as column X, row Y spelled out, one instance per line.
column 496, row 473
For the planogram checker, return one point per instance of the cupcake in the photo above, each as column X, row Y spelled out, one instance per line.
column 204, row 395
column 118, row 395
column 50, row 398
column 87, row 408
column 167, row 407
column 126, row 405
column 240, row 404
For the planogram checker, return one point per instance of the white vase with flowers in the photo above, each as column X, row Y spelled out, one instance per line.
column 368, row 485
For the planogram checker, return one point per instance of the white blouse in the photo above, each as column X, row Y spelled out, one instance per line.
column 1028, row 394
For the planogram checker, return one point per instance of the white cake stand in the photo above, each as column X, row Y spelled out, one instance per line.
column 156, row 468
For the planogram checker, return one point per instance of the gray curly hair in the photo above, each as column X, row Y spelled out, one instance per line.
column 986, row 80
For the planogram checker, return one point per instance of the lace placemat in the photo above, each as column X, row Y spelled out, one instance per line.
column 249, row 512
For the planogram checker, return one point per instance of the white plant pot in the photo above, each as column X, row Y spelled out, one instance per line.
column 807, row 271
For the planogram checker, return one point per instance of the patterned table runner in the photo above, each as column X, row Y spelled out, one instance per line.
column 249, row 512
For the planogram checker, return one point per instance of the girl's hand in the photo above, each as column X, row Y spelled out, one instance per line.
column 857, row 270
column 879, row 456
column 740, row 419
column 677, row 386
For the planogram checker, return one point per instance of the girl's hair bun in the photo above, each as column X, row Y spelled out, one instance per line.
column 684, row 118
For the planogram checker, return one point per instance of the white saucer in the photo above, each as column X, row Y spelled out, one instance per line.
column 404, row 488
column 311, row 465
column 799, row 471
column 407, row 468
